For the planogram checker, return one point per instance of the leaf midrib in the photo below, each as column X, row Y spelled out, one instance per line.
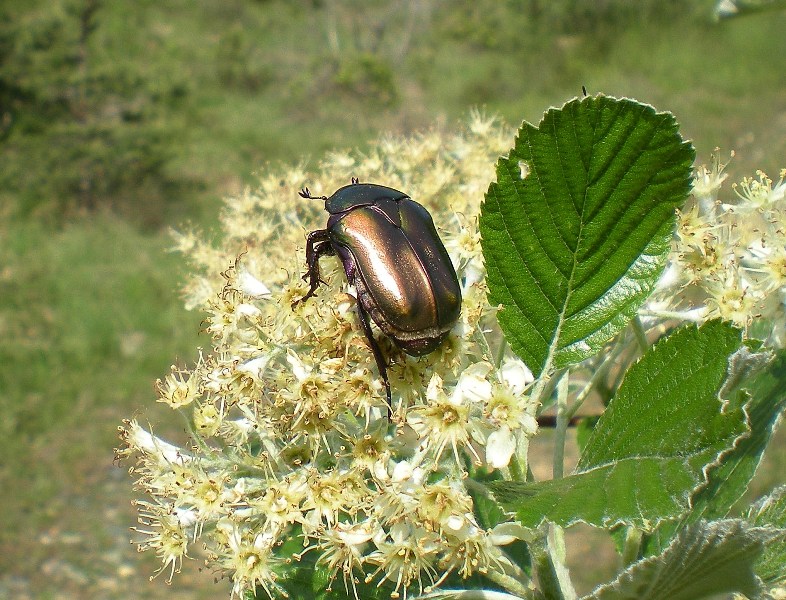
column 555, row 340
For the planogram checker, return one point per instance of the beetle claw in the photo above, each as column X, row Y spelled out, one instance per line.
column 311, row 293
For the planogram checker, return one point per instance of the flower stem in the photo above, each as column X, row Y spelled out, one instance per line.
column 640, row 333
column 549, row 562
column 561, row 431
column 511, row 584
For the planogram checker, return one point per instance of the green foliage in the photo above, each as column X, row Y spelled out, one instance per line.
column 761, row 376
column 647, row 453
column 240, row 64
column 366, row 76
column 683, row 435
column 208, row 95
column 81, row 133
column 487, row 26
column 89, row 317
column 585, row 203
column 770, row 512
column 669, row 401
column 707, row 558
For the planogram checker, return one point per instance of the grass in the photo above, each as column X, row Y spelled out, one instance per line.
column 89, row 311
column 89, row 316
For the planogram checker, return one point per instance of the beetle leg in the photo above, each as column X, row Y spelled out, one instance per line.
column 306, row 193
column 383, row 371
column 317, row 245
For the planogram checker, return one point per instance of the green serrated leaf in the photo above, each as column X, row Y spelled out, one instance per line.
column 770, row 511
column 761, row 376
column 667, row 405
column 573, row 248
column 767, row 402
column 628, row 490
column 650, row 449
column 707, row 558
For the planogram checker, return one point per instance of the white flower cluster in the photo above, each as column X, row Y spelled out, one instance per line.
column 291, row 435
column 729, row 257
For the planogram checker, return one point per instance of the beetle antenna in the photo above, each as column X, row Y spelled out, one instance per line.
column 305, row 193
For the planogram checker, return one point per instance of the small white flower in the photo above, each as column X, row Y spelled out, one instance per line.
column 508, row 532
column 472, row 384
column 256, row 366
column 707, row 181
column 500, row 446
column 299, row 369
column 354, row 534
column 247, row 310
column 153, row 446
column 455, row 522
column 251, row 286
column 403, row 471
column 187, row 517
column 516, row 375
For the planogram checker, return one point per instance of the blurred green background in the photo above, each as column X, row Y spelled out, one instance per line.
column 119, row 120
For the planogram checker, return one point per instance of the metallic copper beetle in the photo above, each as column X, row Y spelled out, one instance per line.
column 393, row 256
